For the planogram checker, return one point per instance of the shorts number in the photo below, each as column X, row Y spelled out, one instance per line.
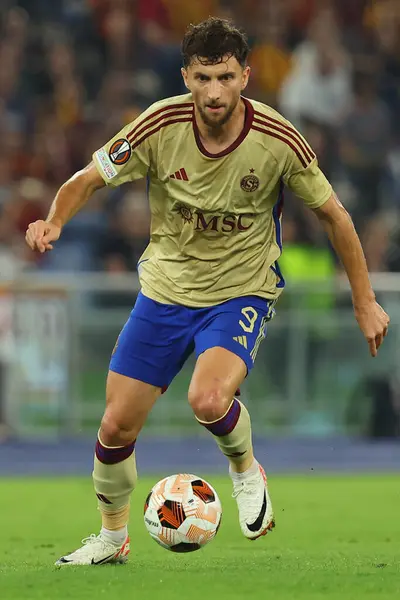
column 251, row 316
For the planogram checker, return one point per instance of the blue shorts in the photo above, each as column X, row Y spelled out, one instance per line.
column 158, row 338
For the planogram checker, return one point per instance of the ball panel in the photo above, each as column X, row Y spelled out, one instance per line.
column 192, row 506
column 161, row 541
column 147, row 502
column 178, row 488
column 219, row 524
column 171, row 514
column 203, row 491
column 185, row 547
column 208, row 513
column 199, row 535
column 158, row 493
column 152, row 522
column 169, row 537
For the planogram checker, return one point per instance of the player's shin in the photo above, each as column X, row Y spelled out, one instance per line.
column 114, row 477
column 232, row 433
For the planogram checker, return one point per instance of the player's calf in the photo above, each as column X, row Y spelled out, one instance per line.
column 114, row 473
column 232, row 432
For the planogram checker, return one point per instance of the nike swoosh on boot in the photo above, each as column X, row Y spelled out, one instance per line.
column 259, row 521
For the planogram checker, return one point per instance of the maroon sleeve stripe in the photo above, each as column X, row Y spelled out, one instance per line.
column 288, row 142
column 309, row 156
column 150, row 133
column 157, row 112
column 288, row 134
column 174, row 113
column 270, row 122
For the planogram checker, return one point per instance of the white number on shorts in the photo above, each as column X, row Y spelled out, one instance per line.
column 251, row 316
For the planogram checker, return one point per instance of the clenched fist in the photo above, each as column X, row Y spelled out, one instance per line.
column 39, row 235
column 374, row 323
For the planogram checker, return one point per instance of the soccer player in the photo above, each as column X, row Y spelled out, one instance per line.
column 216, row 164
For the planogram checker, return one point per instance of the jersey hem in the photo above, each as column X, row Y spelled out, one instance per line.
column 174, row 300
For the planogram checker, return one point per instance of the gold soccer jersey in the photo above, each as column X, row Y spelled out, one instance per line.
column 215, row 218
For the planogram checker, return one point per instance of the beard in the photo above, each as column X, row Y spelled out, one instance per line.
column 217, row 121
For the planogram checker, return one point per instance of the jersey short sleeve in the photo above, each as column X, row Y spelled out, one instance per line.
column 303, row 175
column 124, row 158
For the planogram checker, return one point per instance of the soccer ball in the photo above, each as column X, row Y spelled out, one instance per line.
column 182, row 513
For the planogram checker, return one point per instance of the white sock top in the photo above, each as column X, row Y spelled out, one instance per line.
column 116, row 537
column 252, row 470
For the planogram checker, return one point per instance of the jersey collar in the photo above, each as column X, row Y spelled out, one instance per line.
column 248, row 119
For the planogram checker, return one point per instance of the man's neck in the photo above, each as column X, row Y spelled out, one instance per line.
column 222, row 137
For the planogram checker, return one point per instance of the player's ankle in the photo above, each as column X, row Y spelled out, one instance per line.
column 116, row 537
column 251, row 470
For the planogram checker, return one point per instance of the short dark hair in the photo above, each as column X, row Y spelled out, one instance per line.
column 213, row 39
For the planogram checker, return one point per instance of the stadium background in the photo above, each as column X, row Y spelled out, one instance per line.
column 73, row 72
column 325, row 415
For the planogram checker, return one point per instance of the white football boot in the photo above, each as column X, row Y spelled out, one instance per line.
column 96, row 550
column 256, row 515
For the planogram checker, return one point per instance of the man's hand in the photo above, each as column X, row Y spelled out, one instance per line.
column 39, row 235
column 373, row 322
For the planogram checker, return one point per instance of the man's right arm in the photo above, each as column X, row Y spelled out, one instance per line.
column 124, row 158
column 70, row 198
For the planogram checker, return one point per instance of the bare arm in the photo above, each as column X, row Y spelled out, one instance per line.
column 338, row 224
column 74, row 194
column 340, row 229
column 70, row 198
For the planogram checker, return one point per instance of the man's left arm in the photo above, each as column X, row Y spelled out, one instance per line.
column 371, row 317
column 303, row 176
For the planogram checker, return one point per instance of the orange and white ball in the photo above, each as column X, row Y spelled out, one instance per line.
column 182, row 513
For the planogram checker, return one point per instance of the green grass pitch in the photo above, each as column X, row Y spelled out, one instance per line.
column 337, row 537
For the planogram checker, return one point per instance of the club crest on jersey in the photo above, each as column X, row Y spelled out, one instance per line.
column 120, row 152
column 250, row 183
column 185, row 212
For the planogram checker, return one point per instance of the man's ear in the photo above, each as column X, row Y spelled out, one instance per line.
column 246, row 75
column 185, row 78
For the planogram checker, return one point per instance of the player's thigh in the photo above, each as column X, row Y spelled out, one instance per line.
column 228, row 343
column 153, row 343
column 150, row 350
column 128, row 403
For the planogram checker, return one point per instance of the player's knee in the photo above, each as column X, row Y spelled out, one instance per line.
column 113, row 432
column 208, row 404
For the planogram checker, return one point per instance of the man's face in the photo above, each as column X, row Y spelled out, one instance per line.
column 216, row 89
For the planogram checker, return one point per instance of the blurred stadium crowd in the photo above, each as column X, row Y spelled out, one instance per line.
column 73, row 72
